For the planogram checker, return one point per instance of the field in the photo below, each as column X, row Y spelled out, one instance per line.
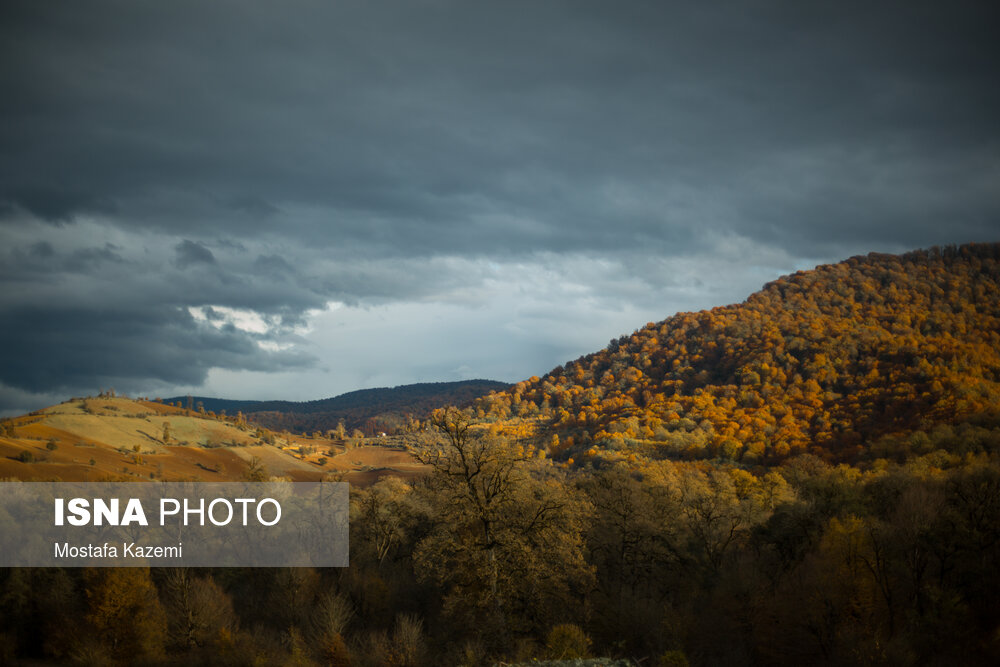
column 96, row 439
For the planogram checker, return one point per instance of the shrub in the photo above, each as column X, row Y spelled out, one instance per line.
column 407, row 641
column 334, row 652
column 566, row 642
column 673, row 659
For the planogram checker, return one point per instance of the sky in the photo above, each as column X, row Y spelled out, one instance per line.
column 292, row 200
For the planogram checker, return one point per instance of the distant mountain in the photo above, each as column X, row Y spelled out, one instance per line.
column 877, row 356
column 388, row 409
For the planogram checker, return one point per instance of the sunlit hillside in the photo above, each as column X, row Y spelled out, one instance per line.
column 876, row 356
column 87, row 439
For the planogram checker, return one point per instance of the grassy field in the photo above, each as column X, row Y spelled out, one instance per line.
column 95, row 439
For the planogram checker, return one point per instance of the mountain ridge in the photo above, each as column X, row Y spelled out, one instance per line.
column 370, row 410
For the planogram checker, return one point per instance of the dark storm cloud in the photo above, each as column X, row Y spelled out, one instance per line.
column 270, row 157
column 41, row 250
column 121, row 348
column 86, row 317
column 188, row 253
column 437, row 126
column 273, row 266
column 52, row 204
column 80, row 261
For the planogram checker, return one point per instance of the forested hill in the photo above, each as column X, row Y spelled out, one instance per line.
column 381, row 409
column 875, row 356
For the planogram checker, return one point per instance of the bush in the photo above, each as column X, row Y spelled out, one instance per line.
column 26, row 457
column 567, row 641
column 334, row 652
column 673, row 659
column 408, row 640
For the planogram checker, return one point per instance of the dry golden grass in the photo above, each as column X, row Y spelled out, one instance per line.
column 117, row 438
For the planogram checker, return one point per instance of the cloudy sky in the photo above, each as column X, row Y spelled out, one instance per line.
column 298, row 199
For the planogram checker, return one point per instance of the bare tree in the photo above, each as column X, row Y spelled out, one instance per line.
column 507, row 545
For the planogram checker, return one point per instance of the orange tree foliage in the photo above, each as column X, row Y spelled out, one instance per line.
column 824, row 361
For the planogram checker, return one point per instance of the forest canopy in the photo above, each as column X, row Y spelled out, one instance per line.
column 845, row 362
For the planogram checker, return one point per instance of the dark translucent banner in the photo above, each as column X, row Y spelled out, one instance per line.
column 167, row 524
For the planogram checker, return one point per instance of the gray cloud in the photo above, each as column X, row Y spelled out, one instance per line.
column 119, row 315
column 84, row 259
column 53, row 204
column 120, row 347
column 426, row 128
column 41, row 250
column 188, row 253
column 262, row 160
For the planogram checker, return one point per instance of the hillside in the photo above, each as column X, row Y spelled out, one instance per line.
column 385, row 409
column 93, row 439
column 874, row 356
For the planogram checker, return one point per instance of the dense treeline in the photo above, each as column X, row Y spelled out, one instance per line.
column 825, row 361
column 499, row 554
column 386, row 409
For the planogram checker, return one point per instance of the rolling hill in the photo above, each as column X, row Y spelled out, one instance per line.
column 876, row 356
column 112, row 438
